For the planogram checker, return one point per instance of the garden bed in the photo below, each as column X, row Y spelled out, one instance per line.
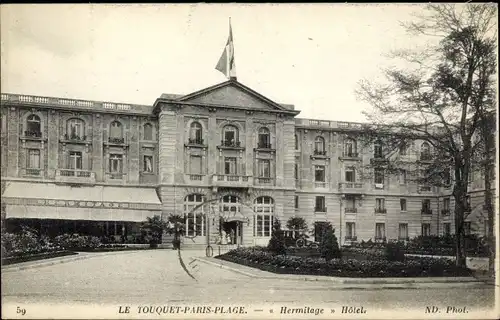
column 35, row 256
column 346, row 267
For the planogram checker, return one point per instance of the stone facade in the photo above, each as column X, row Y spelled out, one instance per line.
column 242, row 157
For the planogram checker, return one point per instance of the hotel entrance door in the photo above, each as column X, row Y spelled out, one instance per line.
column 233, row 232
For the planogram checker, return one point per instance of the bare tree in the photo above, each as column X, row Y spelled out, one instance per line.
column 440, row 97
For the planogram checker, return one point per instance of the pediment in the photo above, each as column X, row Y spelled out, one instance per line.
column 232, row 94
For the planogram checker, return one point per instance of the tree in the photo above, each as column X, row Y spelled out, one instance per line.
column 329, row 246
column 276, row 244
column 153, row 227
column 439, row 98
column 297, row 224
column 176, row 226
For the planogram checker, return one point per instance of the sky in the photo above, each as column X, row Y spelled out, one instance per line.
column 309, row 55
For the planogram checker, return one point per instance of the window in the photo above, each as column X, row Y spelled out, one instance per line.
column 402, row 204
column 195, row 218
column 446, row 204
column 426, row 229
column 296, row 171
column 426, row 206
column 230, row 135
column 350, row 228
column 33, row 126
column 264, row 168
column 403, row 231
column 350, row 148
column 319, row 146
column 264, row 209
column 350, row 204
column 230, row 165
column 379, row 231
column 403, row 149
column 195, row 164
column 296, row 202
column 319, row 173
column 447, row 228
column 425, row 151
column 33, row 159
column 148, row 132
column 447, row 177
column 402, row 176
column 116, row 130
column 75, row 129
column 115, row 163
column 296, row 142
column 148, row 164
column 320, row 204
column 380, row 205
column 467, row 228
column 379, row 176
column 377, row 150
column 350, row 174
column 264, row 138
column 230, row 205
column 75, row 160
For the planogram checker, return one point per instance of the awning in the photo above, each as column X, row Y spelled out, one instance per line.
column 99, row 203
column 63, row 213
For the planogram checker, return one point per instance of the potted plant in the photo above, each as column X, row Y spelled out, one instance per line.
column 176, row 227
column 153, row 227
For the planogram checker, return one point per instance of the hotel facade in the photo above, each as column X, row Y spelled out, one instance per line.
column 226, row 158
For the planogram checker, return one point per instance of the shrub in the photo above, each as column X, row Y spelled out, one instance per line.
column 277, row 242
column 297, row 224
column 76, row 241
column 394, row 251
column 329, row 246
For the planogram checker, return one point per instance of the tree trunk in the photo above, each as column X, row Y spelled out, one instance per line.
column 460, row 196
column 488, row 201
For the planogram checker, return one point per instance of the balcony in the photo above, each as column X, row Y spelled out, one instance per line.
column 320, row 154
column 350, row 156
column 226, row 144
column 196, row 179
column 235, row 181
column 424, row 189
column 114, row 140
column 32, row 135
column 74, row 139
column 352, row 187
column 75, row 176
column 379, row 160
column 320, row 184
column 351, row 210
column 426, row 211
column 33, row 172
column 196, row 142
column 445, row 212
column 264, row 146
column 319, row 209
column 380, row 211
column 265, row 181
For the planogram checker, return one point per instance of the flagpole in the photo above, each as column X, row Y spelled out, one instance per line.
column 229, row 61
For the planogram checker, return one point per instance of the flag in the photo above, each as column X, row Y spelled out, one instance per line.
column 226, row 63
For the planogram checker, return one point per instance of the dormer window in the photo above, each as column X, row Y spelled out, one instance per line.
column 319, row 146
column 148, row 132
column 33, row 126
column 230, row 137
column 196, row 133
column 75, row 129
column 264, row 139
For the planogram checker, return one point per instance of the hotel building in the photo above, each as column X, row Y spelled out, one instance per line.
column 225, row 157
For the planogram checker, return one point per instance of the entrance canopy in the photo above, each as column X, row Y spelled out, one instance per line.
column 101, row 203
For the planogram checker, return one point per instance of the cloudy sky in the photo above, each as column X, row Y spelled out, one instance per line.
column 309, row 55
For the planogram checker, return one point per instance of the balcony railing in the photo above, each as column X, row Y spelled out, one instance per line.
column 75, row 137
column 351, row 210
column 33, row 134
column 116, row 175
column 424, row 189
column 33, row 172
column 320, row 184
column 116, row 140
column 230, row 144
column 351, row 187
column 319, row 152
column 196, row 141
column 232, row 180
column 445, row 212
column 380, row 210
column 75, row 175
column 320, row 210
column 350, row 155
column 265, row 181
column 351, row 238
column 195, row 177
column 426, row 211
column 264, row 145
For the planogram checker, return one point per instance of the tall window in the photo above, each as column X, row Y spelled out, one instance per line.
column 148, row 131
column 350, row 174
column 296, row 171
column 296, row 202
column 403, row 231
column 264, row 168
column 194, row 213
column 378, row 150
column 148, row 164
column 402, row 204
column 230, row 165
column 115, row 163
column 264, row 138
column 115, row 130
column 33, row 126
column 296, row 142
column 195, row 164
column 380, row 205
column 379, row 231
column 426, row 229
column 350, row 148
column 447, row 177
column 447, row 228
column 75, row 160
column 403, row 149
column 350, row 228
column 319, row 173
column 319, row 145
column 402, row 176
column 230, row 134
column 425, row 150
column 426, row 205
column 350, row 203
column 320, row 205
column 230, row 205
column 446, row 204
column 196, row 133
column 379, row 176
column 75, row 129
column 264, row 211
column 33, row 159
